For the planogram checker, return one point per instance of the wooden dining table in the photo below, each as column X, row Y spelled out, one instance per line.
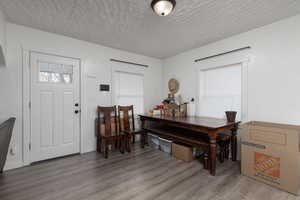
column 200, row 125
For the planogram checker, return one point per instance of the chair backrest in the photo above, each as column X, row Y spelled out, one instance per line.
column 126, row 115
column 107, row 117
column 6, row 129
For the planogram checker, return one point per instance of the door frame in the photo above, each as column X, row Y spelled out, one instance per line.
column 26, row 94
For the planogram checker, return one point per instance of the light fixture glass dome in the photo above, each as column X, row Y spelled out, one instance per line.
column 163, row 7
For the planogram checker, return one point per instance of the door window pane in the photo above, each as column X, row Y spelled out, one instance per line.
column 55, row 68
column 44, row 76
column 55, row 78
column 67, row 78
column 55, row 73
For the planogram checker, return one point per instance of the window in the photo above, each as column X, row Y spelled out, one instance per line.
column 55, row 73
column 220, row 91
column 129, row 90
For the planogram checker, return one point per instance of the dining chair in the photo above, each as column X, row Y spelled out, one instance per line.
column 223, row 141
column 108, row 130
column 6, row 129
column 127, row 126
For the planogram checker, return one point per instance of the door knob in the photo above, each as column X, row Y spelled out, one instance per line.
column 76, row 104
column 76, row 111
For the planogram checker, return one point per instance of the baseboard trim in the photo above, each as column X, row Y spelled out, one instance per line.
column 13, row 165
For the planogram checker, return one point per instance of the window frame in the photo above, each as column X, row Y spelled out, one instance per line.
column 202, row 93
column 242, row 58
column 116, row 96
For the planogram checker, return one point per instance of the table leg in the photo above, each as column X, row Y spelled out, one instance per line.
column 142, row 123
column 143, row 139
column 213, row 154
column 233, row 144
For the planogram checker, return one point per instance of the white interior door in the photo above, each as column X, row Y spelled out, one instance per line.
column 55, row 106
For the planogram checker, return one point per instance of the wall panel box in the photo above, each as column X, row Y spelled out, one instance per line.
column 270, row 154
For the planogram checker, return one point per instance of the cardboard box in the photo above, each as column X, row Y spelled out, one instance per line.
column 270, row 153
column 182, row 152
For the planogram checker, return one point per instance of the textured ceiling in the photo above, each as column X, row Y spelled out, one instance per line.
column 131, row 25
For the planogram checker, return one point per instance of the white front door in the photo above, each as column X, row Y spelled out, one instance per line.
column 55, row 106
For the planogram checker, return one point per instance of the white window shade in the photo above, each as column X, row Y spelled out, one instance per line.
column 220, row 91
column 129, row 90
column 131, row 84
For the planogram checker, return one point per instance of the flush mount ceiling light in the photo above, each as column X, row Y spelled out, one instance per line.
column 163, row 7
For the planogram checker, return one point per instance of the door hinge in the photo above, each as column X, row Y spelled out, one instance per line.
column 29, row 146
column 29, row 104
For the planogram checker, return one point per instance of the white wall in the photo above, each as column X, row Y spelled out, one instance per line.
column 2, row 39
column 273, row 74
column 2, row 28
column 96, row 67
column 273, row 70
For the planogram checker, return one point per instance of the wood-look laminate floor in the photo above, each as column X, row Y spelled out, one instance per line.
column 140, row 175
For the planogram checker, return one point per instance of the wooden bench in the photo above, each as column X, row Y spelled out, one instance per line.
column 193, row 139
column 183, row 136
